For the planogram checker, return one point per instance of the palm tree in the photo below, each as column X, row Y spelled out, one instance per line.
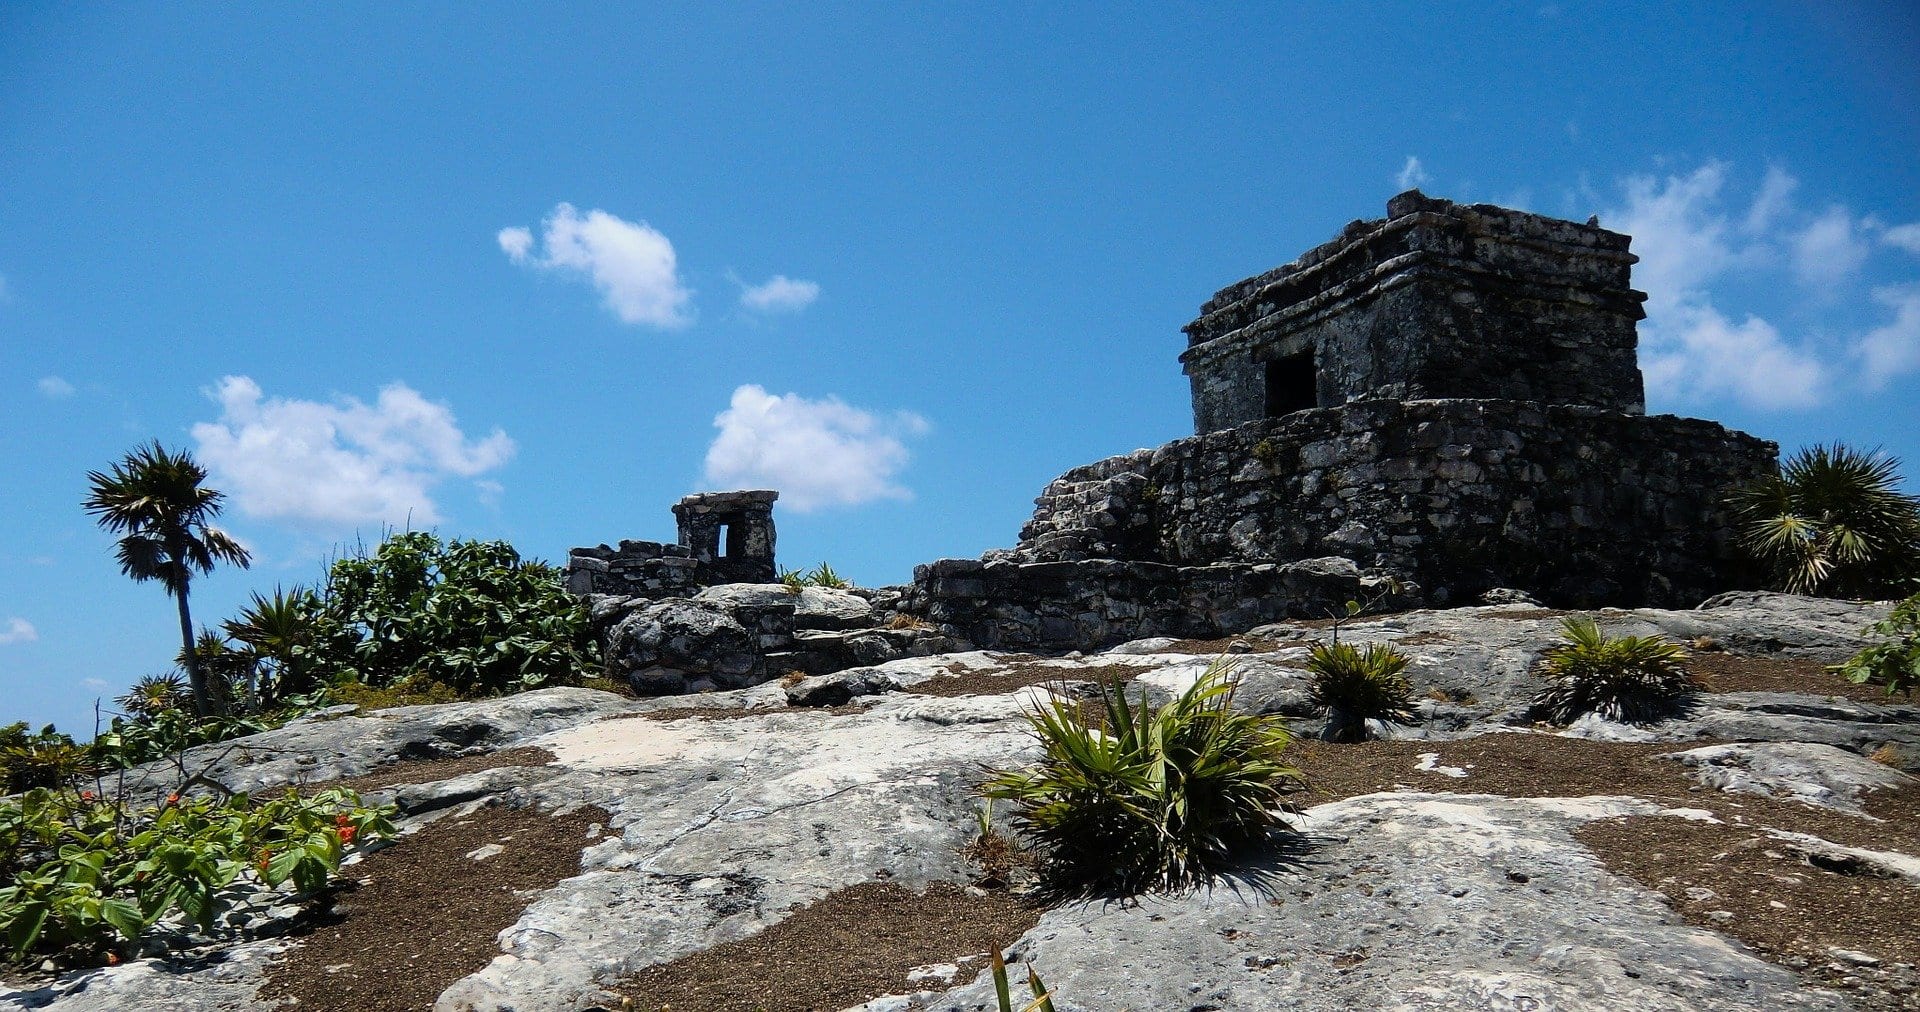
column 155, row 501
column 1833, row 522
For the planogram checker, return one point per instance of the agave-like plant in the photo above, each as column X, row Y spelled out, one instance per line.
column 152, row 695
column 1149, row 797
column 280, row 634
column 1356, row 685
column 1042, row 998
column 1626, row 678
column 1833, row 523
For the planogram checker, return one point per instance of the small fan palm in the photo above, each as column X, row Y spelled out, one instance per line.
column 1355, row 686
column 280, row 634
column 1832, row 523
column 155, row 501
column 1148, row 797
column 1627, row 678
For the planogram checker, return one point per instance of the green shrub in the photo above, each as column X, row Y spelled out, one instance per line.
column 470, row 615
column 44, row 759
column 152, row 695
column 1626, row 678
column 411, row 692
column 1895, row 663
column 1355, row 686
column 1832, row 523
column 129, row 742
column 87, row 876
column 1149, row 797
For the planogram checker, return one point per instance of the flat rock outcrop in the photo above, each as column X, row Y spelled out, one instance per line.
column 724, row 812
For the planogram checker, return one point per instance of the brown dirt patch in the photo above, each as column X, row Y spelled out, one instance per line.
column 1747, row 871
column 1530, row 614
column 734, row 712
column 1256, row 645
column 1422, row 639
column 1727, row 672
column 852, row 946
column 1770, row 896
column 426, row 771
column 1013, row 679
column 420, row 914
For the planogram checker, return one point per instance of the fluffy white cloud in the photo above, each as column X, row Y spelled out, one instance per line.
column 632, row 265
column 55, row 387
column 1412, row 175
column 1894, row 349
column 1690, row 241
column 1907, row 237
column 817, row 453
column 1830, row 251
column 779, row 294
column 339, row 464
column 18, row 630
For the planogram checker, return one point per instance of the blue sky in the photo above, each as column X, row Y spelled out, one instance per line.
column 535, row 275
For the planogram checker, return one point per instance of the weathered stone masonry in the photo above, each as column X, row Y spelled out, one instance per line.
column 725, row 537
column 1448, row 396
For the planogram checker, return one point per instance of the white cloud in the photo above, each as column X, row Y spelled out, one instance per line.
column 1894, row 349
column 1907, row 237
column 1830, row 251
column 779, row 294
column 18, row 630
column 55, row 388
column 817, row 453
column 1690, row 243
column 632, row 265
column 343, row 463
column 1775, row 190
column 1412, row 175
column 515, row 241
column 99, row 684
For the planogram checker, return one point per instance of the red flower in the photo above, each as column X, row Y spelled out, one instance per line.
column 174, row 798
column 113, row 959
column 86, row 795
column 346, row 835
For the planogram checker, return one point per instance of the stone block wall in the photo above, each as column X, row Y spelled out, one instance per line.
column 1437, row 300
column 1579, row 506
column 635, row 569
column 1089, row 604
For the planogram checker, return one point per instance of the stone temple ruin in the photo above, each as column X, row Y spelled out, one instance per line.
column 725, row 537
column 1434, row 405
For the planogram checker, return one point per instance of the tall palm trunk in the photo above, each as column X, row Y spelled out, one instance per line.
column 202, row 704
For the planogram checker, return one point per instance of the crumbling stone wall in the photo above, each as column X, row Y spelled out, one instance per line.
column 1436, row 300
column 1003, row 603
column 1579, row 506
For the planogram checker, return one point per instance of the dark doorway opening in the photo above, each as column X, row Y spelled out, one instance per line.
column 1290, row 384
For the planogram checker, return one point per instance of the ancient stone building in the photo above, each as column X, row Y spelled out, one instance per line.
column 725, row 537
column 1448, row 396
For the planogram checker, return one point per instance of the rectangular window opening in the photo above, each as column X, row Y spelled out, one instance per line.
column 1291, row 384
column 722, row 541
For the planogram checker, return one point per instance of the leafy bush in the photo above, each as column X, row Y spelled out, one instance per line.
column 410, row 692
column 44, row 759
column 470, row 615
column 1355, row 686
column 129, row 742
column 87, row 876
column 1895, row 663
column 1832, row 523
column 291, row 644
column 1149, row 797
column 1626, row 678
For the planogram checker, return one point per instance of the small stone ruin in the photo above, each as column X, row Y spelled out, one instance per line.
column 1435, row 405
column 725, row 537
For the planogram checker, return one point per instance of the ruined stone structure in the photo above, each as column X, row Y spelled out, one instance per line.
column 1448, row 397
column 725, row 537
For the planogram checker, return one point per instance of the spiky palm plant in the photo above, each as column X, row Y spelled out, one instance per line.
column 152, row 695
column 1355, row 686
column 1147, row 797
column 1625, row 678
column 281, row 634
column 155, row 501
column 1832, row 523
